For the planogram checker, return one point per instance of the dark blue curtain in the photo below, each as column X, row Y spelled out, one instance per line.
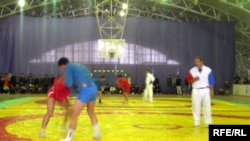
column 23, row 39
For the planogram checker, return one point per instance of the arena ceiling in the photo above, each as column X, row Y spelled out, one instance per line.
column 236, row 11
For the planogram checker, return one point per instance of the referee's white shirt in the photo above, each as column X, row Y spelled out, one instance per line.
column 206, row 77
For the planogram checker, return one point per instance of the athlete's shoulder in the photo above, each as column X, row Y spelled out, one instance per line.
column 77, row 66
column 207, row 68
column 193, row 69
column 70, row 65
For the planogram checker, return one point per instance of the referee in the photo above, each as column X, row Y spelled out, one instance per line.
column 202, row 80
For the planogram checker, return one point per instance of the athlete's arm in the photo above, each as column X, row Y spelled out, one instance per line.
column 211, row 83
column 68, row 77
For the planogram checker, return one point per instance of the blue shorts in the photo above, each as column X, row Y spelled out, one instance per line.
column 87, row 94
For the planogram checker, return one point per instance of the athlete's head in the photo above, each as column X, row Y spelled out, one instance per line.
column 103, row 78
column 62, row 62
column 198, row 61
column 119, row 77
column 147, row 71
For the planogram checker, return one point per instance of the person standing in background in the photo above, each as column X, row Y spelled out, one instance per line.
column 169, row 84
column 178, row 85
column 202, row 80
column 129, row 79
column 156, row 86
column 148, row 91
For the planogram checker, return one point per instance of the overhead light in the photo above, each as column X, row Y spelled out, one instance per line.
column 21, row 3
column 122, row 13
column 124, row 6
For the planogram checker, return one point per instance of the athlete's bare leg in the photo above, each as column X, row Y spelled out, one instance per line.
column 66, row 106
column 126, row 97
column 93, row 118
column 48, row 115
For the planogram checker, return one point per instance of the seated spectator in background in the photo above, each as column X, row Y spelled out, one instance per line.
column 13, row 80
column 12, row 89
column 22, row 84
column 132, row 89
column 45, row 83
column 23, row 89
column 236, row 79
column 119, row 90
column 246, row 80
column 6, row 84
column 112, row 89
column 137, row 89
column 157, row 89
column 142, row 88
column 1, row 83
column 106, row 89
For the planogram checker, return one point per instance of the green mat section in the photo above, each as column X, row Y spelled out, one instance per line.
column 7, row 103
column 244, row 101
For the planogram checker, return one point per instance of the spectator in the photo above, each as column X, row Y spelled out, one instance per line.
column 6, row 84
column 1, row 83
column 169, row 84
column 178, row 85
column 236, row 79
column 227, row 87
column 156, row 87
column 45, row 83
column 112, row 89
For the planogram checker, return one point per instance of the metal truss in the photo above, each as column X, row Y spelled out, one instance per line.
column 13, row 8
column 112, row 26
column 48, row 8
column 242, row 8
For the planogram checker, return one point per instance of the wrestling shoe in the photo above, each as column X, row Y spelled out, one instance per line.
column 196, row 125
column 42, row 134
column 96, row 136
column 207, row 125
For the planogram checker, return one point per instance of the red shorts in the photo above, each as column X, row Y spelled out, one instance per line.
column 126, row 90
column 59, row 96
column 60, row 91
column 51, row 93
